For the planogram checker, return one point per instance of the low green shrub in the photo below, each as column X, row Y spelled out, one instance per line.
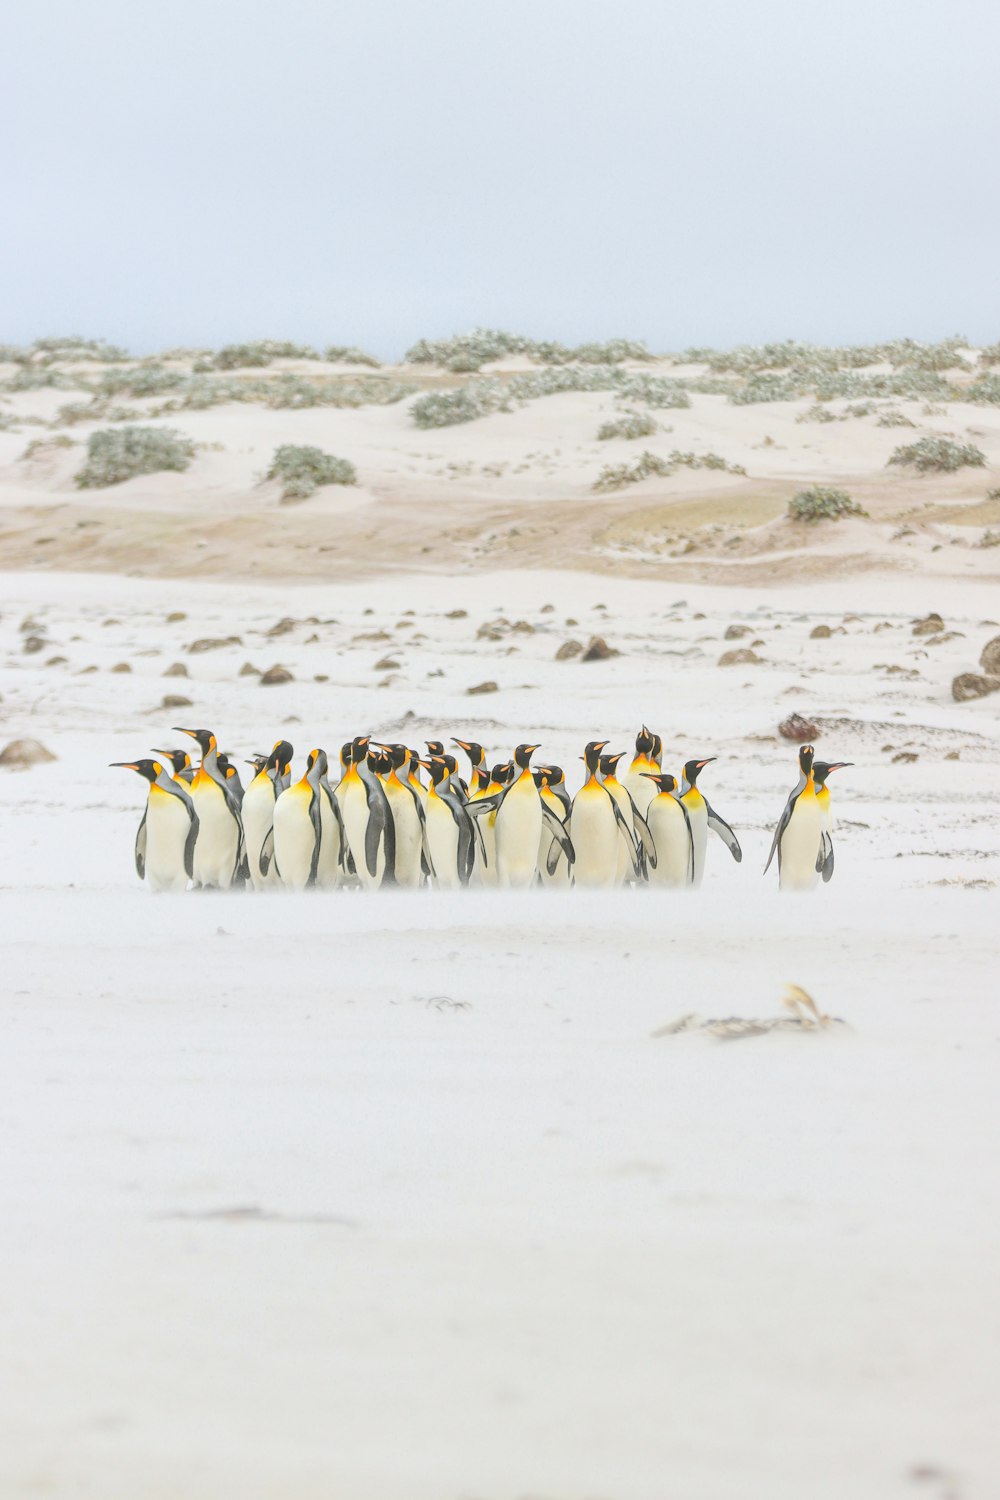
column 617, row 476
column 633, row 424
column 260, row 352
column 939, row 455
column 342, row 354
column 121, row 453
column 818, row 503
column 303, row 470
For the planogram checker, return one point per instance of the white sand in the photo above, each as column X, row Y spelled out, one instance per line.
column 400, row 1196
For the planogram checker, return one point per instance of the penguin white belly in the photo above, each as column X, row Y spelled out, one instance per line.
column 800, row 846
column 518, row 833
column 167, row 829
column 596, row 836
column 328, row 869
column 218, row 835
column 698, row 815
column 258, row 815
column 409, row 841
column 640, row 789
column 353, row 799
column 672, row 842
column 442, row 841
column 294, row 837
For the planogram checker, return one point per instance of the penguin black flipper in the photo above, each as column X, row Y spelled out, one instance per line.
column 721, row 827
column 314, row 819
column 645, row 836
column 338, row 818
column 558, row 832
column 266, row 854
column 828, row 860
column 626, row 834
column 687, row 820
column 783, row 822
column 480, row 805
column 190, row 842
column 140, row 848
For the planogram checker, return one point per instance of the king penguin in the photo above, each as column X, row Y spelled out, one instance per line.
column 296, row 837
column 218, row 853
column 798, row 838
column 821, row 770
column 168, row 832
column 518, row 826
column 367, row 819
column 258, row 810
column 553, row 868
column 703, row 817
column 636, row 779
column 595, row 826
column 451, row 833
column 670, row 827
column 406, row 808
column 180, row 763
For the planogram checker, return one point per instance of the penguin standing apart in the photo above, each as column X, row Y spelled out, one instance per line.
column 636, row 779
column 594, row 826
column 168, row 832
column 821, row 770
column 451, row 833
column 218, row 853
column 406, row 808
column 670, row 827
column 703, row 817
column 257, row 810
column 295, row 841
column 798, row 838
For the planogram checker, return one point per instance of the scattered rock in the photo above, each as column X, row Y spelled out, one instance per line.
column 175, row 616
column 929, row 625
column 56, row 661
column 953, row 755
column 736, row 632
column 971, row 685
column 370, row 636
column 248, row 670
column 523, row 627
column 990, row 659
column 321, row 677
column 20, row 754
column 175, row 700
column 121, row 666
column 906, row 757
column 547, row 609
column 569, row 649
column 176, row 669
column 456, row 614
column 820, row 633
column 743, row 657
column 569, row 622
column 282, row 627
column 488, row 632
column 598, row 650
column 482, row 687
column 795, row 727
column 312, row 640
column 275, row 676
column 33, row 643
column 386, row 664
column 213, row 643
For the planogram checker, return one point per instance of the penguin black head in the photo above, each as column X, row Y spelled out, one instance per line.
column 555, row 775
column 657, row 749
column 380, row 761
column 438, row 768
column 540, row 776
column 664, row 782
column 523, row 754
column 317, row 765
column 503, row 773
column 693, row 767
column 822, row 769
column 179, row 759
column 592, row 754
column 398, row 756
column 609, row 763
column 643, row 741
column 359, row 748
column 258, row 762
column 206, row 739
column 150, row 769
column 280, row 758
column 806, row 754
column 434, row 747
column 475, row 752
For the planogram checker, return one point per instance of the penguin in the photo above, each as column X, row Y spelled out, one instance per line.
column 258, row 762
column 168, row 832
column 406, row 808
column 498, row 779
column 518, row 825
column 332, row 867
column 703, row 817
column 180, row 763
column 367, row 819
column 295, row 841
column 451, row 832
column 636, row 779
column 798, row 838
column 218, row 853
column 480, row 771
column 551, row 785
column 670, row 827
column 597, row 826
column 633, row 855
column 257, row 810
column 821, row 770
column 232, row 777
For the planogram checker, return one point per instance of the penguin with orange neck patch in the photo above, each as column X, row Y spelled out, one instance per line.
column 218, row 853
column 798, row 838
column 168, row 833
column 704, row 817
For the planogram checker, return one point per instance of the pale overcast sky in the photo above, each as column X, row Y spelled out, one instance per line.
column 370, row 171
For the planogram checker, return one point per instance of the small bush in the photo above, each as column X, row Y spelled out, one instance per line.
column 633, row 424
column 985, row 391
column 341, row 354
column 939, row 455
column 446, row 408
column 142, row 380
column 893, row 418
column 617, row 476
column 73, row 348
column 818, row 503
column 14, row 354
column 302, row 471
column 114, row 455
column 39, row 447
column 466, row 353
column 260, row 352
column 988, row 539
column 817, row 414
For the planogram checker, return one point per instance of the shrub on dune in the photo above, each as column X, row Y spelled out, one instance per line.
column 117, row 454
column 304, row 470
column 939, row 455
column 634, row 424
column 343, row 354
column 819, row 503
column 260, row 352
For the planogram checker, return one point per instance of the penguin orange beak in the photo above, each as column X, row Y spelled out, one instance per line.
column 125, row 765
column 192, row 733
column 839, row 765
column 706, row 762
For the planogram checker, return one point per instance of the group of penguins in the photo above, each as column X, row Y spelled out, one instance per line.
column 510, row 826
